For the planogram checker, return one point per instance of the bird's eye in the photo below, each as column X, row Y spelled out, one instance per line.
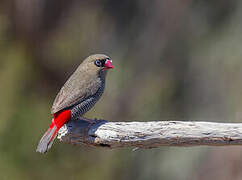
column 98, row 63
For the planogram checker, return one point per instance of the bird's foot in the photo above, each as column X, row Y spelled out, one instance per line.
column 90, row 124
column 92, row 121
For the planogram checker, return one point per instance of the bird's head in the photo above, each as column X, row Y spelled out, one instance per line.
column 98, row 62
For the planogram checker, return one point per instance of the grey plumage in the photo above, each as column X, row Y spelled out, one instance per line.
column 83, row 89
column 79, row 94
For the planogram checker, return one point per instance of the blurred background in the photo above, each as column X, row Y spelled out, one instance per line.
column 174, row 60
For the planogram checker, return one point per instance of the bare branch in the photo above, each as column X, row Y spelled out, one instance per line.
column 150, row 134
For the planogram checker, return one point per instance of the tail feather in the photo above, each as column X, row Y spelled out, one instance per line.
column 58, row 120
column 47, row 140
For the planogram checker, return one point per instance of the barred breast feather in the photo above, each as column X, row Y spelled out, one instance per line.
column 81, row 108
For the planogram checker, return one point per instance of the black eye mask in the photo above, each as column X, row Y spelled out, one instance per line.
column 101, row 63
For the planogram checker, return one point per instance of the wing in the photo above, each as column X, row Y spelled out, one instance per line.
column 74, row 92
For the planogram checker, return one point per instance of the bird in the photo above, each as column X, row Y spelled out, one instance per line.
column 77, row 96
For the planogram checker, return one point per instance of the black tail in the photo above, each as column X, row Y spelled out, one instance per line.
column 47, row 140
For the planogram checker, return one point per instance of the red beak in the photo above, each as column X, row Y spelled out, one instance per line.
column 108, row 64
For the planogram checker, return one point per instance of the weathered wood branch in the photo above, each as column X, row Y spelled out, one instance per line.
column 150, row 134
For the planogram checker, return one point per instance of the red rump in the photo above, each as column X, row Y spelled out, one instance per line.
column 60, row 118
